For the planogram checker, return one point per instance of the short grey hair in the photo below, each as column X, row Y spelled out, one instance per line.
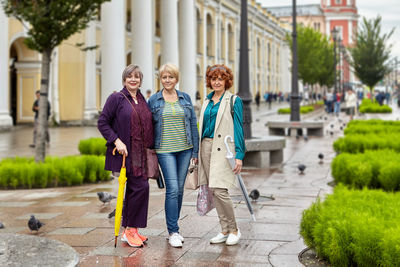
column 132, row 68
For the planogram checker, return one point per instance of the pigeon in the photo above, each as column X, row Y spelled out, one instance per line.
column 321, row 157
column 1, row 225
column 301, row 168
column 326, row 118
column 112, row 214
column 341, row 128
column 105, row 197
column 340, row 120
column 254, row 194
column 331, row 125
column 331, row 132
column 34, row 224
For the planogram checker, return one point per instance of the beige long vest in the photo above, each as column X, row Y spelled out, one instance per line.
column 221, row 174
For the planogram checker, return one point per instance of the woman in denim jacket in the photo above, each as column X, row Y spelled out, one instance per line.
column 176, row 143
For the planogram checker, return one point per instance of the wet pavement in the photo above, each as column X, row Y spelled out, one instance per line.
column 75, row 216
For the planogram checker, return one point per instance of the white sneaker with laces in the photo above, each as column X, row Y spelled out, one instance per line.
column 220, row 238
column 233, row 239
column 175, row 241
column 181, row 238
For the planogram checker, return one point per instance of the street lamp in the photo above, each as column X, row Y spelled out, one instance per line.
column 294, row 95
column 342, row 69
column 244, row 76
column 334, row 33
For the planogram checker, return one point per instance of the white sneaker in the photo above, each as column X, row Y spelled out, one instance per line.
column 220, row 238
column 175, row 241
column 233, row 239
column 180, row 237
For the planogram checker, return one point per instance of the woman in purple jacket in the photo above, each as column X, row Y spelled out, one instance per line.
column 126, row 124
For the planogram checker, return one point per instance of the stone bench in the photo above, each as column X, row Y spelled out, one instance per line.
column 264, row 152
column 306, row 128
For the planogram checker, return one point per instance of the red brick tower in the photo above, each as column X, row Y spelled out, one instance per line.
column 342, row 15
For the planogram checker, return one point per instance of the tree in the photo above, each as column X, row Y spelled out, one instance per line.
column 371, row 52
column 315, row 57
column 50, row 22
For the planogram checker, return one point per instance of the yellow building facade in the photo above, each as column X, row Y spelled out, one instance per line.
column 189, row 33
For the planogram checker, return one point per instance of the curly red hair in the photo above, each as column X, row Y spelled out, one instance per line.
column 219, row 70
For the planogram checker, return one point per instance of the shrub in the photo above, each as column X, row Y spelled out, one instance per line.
column 92, row 146
column 355, row 227
column 367, row 106
column 55, row 171
column 358, row 143
column 372, row 126
column 373, row 169
column 303, row 110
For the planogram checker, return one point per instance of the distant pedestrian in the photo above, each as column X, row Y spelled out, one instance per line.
column 337, row 99
column 35, row 109
column 329, row 102
column 269, row 100
column 148, row 94
column 257, row 99
column 351, row 102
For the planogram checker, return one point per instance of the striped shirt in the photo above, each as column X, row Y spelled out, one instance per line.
column 173, row 132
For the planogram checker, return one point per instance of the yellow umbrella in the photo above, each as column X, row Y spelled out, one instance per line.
column 120, row 198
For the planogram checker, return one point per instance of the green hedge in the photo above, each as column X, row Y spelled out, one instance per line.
column 374, row 169
column 303, row 110
column 93, row 146
column 358, row 143
column 372, row 126
column 367, row 106
column 355, row 228
column 54, row 171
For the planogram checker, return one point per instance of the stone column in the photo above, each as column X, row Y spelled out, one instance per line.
column 187, row 44
column 5, row 118
column 113, row 60
column 142, row 41
column 169, row 32
column 90, row 110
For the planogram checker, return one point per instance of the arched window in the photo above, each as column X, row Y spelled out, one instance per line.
column 269, row 56
column 258, row 59
column 222, row 34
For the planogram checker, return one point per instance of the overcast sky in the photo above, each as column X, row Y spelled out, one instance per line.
column 388, row 9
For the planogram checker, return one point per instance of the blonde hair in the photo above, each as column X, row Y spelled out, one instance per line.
column 171, row 69
column 132, row 68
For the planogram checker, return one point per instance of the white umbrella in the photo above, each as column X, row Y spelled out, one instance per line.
column 231, row 160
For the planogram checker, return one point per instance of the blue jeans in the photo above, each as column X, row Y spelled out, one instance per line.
column 174, row 166
column 337, row 107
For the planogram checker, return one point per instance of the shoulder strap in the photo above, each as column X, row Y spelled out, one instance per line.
column 231, row 104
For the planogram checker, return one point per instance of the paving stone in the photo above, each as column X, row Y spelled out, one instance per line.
column 71, row 231
column 157, row 193
column 91, row 215
column 39, row 216
column 42, row 195
column 285, row 260
column 5, row 195
column 70, row 204
column 8, row 229
column 200, row 256
column 189, row 203
column 290, row 248
column 14, row 204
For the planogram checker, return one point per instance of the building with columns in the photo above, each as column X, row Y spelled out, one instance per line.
column 192, row 34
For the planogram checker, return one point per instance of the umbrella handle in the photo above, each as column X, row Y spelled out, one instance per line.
column 228, row 151
column 123, row 157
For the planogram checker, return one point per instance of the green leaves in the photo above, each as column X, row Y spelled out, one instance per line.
column 315, row 57
column 371, row 53
column 52, row 21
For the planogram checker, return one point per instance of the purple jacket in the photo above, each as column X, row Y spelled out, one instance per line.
column 115, row 122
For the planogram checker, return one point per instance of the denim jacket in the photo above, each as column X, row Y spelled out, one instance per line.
column 157, row 103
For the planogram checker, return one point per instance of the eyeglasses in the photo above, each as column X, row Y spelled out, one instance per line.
column 217, row 68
